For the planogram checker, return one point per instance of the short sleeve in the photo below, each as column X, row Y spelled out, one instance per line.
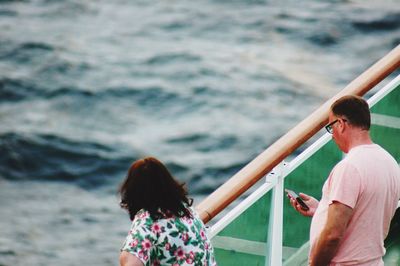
column 344, row 184
column 140, row 240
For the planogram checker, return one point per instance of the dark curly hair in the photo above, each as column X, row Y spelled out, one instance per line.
column 150, row 186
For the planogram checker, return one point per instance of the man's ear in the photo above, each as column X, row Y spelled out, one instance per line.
column 342, row 125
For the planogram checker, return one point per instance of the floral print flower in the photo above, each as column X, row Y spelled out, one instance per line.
column 156, row 263
column 143, row 215
column 141, row 254
column 203, row 234
column 156, row 228
column 180, row 254
column 146, row 244
column 185, row 237
column 134, row 243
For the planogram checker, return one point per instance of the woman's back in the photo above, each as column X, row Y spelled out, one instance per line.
column 170, row 240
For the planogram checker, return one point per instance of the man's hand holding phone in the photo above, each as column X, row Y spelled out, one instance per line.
column 304, row 204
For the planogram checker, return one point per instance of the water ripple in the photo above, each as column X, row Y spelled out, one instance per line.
column 47, row 157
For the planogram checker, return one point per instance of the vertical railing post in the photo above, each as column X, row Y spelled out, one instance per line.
column 275, row 230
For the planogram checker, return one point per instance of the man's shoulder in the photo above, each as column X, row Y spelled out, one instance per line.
column 367, row 152
column 350, row 161
column 371, row 158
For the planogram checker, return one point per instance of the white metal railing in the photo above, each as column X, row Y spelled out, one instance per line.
column 275, row 181
column 284, row 146
column 275, row 224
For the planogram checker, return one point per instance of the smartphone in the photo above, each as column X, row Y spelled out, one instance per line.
column 299, row 200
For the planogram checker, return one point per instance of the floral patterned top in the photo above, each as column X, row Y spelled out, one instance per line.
column 169, row 241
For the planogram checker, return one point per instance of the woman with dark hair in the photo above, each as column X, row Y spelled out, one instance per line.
column 165, row 229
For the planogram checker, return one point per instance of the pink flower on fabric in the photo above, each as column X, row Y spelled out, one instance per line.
column 185, row 237
column 146, row 244
column 167, row 246
column 203, row 235
column 141, row 254
column 156, row 263
column 188, row 220
column 134, row 243
column 190, row 258
column 180, row 254
column 191, row 255
column 206, row 246
column 156, row 228
column 143, row 215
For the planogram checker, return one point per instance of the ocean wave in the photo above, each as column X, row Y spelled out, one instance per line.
column 172, row 58
column 15, row 89
column 324, row 38
column 60, row 67
column 7, row 12
column 205, row 181
column 48, row 157
column 386, row 22
column 206, row 143
column 53, row 158
column 10, row 1
column 12, row 90
column 26, row 52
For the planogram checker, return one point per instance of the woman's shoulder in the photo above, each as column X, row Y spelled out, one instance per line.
column 193, row 213
column 194, row 219
column 142, row 216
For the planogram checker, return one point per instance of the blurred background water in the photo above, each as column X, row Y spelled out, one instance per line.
column 87, row 87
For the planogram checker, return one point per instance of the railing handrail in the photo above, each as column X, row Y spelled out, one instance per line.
column 283, row 147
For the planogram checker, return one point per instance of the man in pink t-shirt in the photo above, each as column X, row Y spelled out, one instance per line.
column 360, row 196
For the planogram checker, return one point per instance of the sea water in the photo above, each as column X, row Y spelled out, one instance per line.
column 87, row 87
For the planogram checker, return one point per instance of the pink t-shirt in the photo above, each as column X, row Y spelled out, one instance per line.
column 368, row 181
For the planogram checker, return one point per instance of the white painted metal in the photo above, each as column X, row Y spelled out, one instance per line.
column 240, row 245
column 385, row 121
column 275, row 230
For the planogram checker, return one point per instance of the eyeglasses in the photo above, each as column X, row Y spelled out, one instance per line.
column 329, row 127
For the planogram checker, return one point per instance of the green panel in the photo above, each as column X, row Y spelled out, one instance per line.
column 392, row 256
column 252, row 224
column 309, row 178
column 388, row 138
column 232, row 258
column 389, row 105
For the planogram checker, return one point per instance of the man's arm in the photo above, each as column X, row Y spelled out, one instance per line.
column 328, row 242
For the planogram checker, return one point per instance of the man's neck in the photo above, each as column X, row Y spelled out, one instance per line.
column 358, row 138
